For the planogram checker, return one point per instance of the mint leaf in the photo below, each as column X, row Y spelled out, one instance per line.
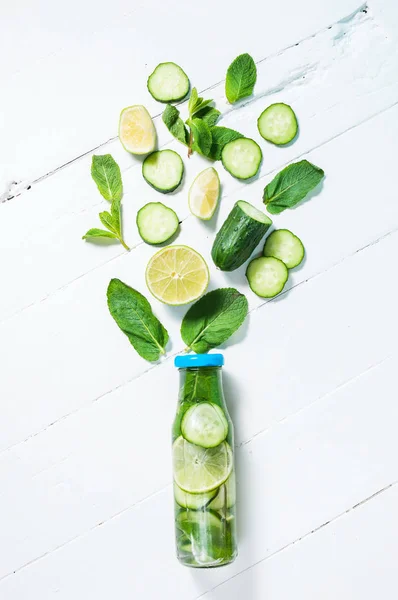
column 116, row 215
column 193, row 100
column 201, row 136
column 241, row 78
column 220, row 137
column 209, row 115
column 213, row 319
column 291, row 185
column 107, row 220
column 133, row 314
column 98, row 233
column 106, row 174
column 196, row 103
column 171, row 118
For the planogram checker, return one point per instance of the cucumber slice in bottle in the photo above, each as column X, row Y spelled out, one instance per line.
column 156, row 223
column 192, row 501
column 267, row 276
column 163, row 170
column 278, row 124
column 242, row 158
column 205, row 425
column 168, row 83
column 286, row 246
column 226, row 497
column 206, row 525
column 199, row 470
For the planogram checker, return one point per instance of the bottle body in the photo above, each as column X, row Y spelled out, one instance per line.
column 203, row 468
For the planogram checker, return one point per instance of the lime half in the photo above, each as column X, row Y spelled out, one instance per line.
column 177, row 275
column 199, row 470
column 136, row 130
column 204, row 193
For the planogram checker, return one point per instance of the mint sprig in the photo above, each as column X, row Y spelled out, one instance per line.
column 106, row 174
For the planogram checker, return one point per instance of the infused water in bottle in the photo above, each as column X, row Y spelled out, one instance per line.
column 203, row 465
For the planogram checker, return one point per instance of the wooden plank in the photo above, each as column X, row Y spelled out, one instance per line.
column 47, row 251
column 71, row 72
column 291, row 480
column 343, row 559
column 113, row 453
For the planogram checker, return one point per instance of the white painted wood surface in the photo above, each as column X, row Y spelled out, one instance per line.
column 85, row 495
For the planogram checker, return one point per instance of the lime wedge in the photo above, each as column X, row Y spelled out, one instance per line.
column 177, row 275
column 199, row 470
column 136, row 130
column 204, row 424
column 204, row 193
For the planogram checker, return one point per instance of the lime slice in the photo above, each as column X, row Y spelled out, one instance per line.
column 199, row 470
column 226, row 496
column 204, row 193
column 136, row 130
column 193, row 501
column 204, row 424
column 177, row 275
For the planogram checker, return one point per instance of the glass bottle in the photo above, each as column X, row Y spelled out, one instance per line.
column 203, row 465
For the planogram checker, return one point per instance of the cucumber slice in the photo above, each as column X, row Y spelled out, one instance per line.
column 163, row 170
column 168, row 83
column 278, row 124
column 267, row 276
column 205, row 425
column 286, row 246
column 226, row 497
column 156, row 223
column 242, row 230
column 192, row 501
column 242, row 158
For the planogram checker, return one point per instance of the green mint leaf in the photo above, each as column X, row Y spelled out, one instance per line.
column 209, row 115
column 106, row 174
column 99, row 233
column 201, row 136
column 291, row 185
column 220, row 137
column 213, row 319
column 193, row 100
column 133, row 314
column 171, row 118
column 241, row 78
column 107, row 220
column 116, row 215
column 196, row 103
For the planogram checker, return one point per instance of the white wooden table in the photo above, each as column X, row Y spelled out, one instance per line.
column 85, row 474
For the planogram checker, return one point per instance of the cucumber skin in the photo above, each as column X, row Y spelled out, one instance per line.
column 237, row 239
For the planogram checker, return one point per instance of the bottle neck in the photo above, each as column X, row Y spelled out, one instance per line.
column 201, row 384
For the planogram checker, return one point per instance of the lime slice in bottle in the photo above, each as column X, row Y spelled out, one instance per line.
column 204, row 424
column 177, row 275
column 226, row 496
column 136, row 130
column 204, row 193
column 193, row 501
column 199, row 470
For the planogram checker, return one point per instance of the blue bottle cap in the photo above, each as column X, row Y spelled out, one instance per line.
column 187, row 361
